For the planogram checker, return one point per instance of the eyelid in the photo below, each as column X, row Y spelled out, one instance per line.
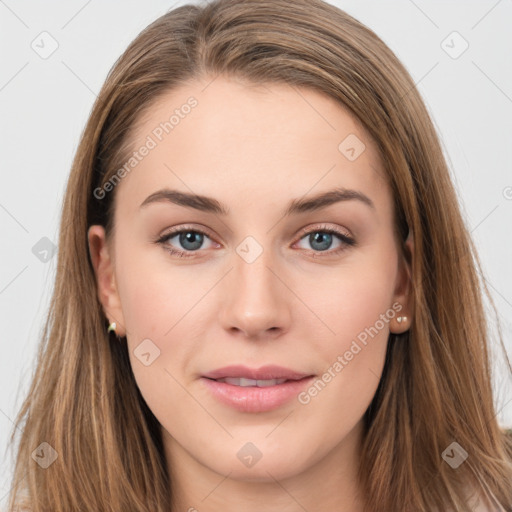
column 187, row 227
column 324, row 227
column 301, row 233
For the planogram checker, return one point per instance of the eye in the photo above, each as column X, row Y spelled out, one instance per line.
column 190, row 239
column 321, row 239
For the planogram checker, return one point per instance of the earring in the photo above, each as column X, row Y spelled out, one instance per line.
column 112, row 327
column 401, row 319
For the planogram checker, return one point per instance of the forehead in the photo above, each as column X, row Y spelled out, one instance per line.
column 223, row 137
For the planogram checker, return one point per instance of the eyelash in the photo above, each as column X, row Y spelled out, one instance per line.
column 346, row 240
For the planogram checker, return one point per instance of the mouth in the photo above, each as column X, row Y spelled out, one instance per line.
column 255, row 390
column 265, row 373
column 244, row 383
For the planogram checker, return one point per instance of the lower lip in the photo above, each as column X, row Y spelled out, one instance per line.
column 255, row 399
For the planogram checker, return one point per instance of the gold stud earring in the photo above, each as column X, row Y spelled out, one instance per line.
column 112, row 327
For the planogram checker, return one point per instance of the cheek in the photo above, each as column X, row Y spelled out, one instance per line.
column 155, row 300
column 164, row 307
column 352, row 298
column 154, row 297
column 356, row 307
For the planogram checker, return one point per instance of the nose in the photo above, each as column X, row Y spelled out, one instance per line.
column 258, row 300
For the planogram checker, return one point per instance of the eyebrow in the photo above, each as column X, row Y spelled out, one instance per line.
column 211, row 205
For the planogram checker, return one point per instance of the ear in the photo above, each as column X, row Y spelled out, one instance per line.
column 403, row 290
column 102, row 261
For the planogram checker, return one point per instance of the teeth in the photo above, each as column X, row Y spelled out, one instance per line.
column 251, row 382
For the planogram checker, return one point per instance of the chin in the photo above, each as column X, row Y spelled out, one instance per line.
column 260, row 460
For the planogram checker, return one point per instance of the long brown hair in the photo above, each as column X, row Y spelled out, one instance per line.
column 436, row 385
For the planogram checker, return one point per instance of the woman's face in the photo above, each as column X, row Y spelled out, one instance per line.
column 286, row 259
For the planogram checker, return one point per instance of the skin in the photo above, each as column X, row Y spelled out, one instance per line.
column 254, row 149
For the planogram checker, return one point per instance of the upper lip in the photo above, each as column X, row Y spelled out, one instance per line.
column 262, row 373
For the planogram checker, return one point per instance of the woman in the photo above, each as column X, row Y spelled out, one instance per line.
column 266, row 297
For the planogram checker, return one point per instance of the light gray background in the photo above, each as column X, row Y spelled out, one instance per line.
column 45, row 104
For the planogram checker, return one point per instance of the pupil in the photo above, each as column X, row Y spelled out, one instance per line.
column 188, row 238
